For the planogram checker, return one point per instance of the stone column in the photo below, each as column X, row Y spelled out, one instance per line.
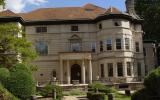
column 83, row 72
column 124, row 69
column 90, row 71
column 61, row 71
column 68, row 73
column 115, row 70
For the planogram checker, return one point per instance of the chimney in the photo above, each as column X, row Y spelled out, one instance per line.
column 130, row 6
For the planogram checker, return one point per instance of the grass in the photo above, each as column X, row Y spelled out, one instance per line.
column 74, row 92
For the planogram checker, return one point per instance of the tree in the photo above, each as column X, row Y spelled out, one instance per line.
column 14, row 49
column 149, row 10
column 2, row 2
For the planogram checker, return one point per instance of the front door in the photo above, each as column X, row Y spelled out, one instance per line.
column 75, row 73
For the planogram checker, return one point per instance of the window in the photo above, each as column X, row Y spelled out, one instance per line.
column 102, row 70
column 139, row 68
column 120, row 69
column 144, row 51
column 109, row 44
column 118, row 44
column 41, row 29
column 75, row 46
column 110, row 69
column 101, row 46
column 137, row 46
column 54, row 73
column 117, row 23
column 41, row 48
column 100, row 26
column 127, row 43
column 74, row 28
column 93, row 47
column 129, row 68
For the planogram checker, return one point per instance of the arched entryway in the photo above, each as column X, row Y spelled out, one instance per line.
column 75, row 72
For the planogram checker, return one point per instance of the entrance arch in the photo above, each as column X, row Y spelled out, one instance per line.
column 75, row 72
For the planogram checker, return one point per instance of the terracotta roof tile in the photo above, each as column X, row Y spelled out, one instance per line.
column 8, row 13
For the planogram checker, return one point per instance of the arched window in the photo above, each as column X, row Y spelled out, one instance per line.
column 42, row 48
column 75, row 43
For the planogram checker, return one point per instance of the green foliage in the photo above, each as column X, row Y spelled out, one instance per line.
column 152, row 82
column 149, row 10
column 2, row 2
column 101, row 88
column 11, row 45
column 48, row 90
column 6, row 95
column 95, row 96
column 20, row 83
column 4, row 75
column 152, row 87
column 140, row 95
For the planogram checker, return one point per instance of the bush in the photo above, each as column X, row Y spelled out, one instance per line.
column 4, row 75
column 152, row 82
column 96, row 96
column 142, row 94
column 6, row 95
column 20, row 83
column 48, row 90
column 101, row 88
column 152, row 87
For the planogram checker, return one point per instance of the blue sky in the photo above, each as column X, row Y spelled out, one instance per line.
column 29, row 5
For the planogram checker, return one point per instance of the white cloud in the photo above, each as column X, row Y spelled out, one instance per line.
column 18, row 5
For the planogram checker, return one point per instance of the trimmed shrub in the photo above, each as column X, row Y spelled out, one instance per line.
column 101, row 88
column 6, row 95
column 4, row 75
column 48, row 90
column 20, row 83
column 152, row 82
column 142, row 94
column 96, row 96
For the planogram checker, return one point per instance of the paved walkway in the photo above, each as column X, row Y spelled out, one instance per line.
column 74, row 98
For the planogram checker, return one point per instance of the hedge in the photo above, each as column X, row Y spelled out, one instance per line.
column 96, row 96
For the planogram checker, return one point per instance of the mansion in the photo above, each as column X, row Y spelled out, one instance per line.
column 85, row 44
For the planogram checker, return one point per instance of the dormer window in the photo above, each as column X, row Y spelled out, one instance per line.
column 74, row 28
column 41, row 29
column 117, row 23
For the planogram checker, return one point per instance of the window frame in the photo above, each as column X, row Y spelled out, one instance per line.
column 74, row 28
column 120, row 69
column 119, row 44
column 110, row 69
column 137, row 46
column 41, row 29
column 41, row 48
column 93, row 47
column 127, row 43
column 101, row 46
column 129, row 69
column 102, row 70
column 109, row 44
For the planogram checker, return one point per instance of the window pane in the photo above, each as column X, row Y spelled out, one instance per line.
column 41, row 48
column 127, row 43
column 75, row 47
column 110, row 69
column 129, row 68
column 109, row 44
column 137, row 46
column 41, row 29
column 118, row 44
column 93, row 47
column 74, row 28
column 120, row 69
column 101, row 46
column 139, row 69
column 102, row 70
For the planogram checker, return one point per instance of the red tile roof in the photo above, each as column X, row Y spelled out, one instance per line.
column 8, row 13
